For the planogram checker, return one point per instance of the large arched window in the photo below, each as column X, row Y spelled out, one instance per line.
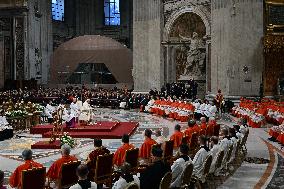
column 112, row 13
column 58, row 10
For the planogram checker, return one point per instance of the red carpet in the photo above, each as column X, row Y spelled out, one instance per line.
column 103, row 130
column 99, row 127
column 46, row 145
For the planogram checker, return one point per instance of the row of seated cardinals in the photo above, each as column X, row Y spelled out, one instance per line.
column 277, row 133
column 173, row 109
column 119, row 156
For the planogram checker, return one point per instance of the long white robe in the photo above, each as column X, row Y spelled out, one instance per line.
column 75, row 110
column 85, row 112
column 177, row 170
column 48, row 110
column 214, row 153
column 198, row 162
column 122, row 184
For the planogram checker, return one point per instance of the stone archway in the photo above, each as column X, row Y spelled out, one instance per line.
column 187, row 39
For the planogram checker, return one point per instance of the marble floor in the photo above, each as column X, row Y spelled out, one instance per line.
column 251, row 174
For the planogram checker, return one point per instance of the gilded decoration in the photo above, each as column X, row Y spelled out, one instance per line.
column 188, row 31
column 273, row 43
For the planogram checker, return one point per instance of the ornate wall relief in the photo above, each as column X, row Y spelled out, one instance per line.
column 188, row 31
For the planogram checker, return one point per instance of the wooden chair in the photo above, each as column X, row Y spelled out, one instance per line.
column 193, row 145
column 186, row 176
column 104, row 170
column 68, row 176
column 34, row 178
column 131, row 157
column 169, row 150
column 133, row 186
column 216, row 130
column 166, row 181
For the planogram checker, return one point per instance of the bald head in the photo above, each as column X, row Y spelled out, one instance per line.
column 65, row 149
column 27, row 154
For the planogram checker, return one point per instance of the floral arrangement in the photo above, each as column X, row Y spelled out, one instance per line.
column 16, row 113
column 66, row 139
column 38, row 107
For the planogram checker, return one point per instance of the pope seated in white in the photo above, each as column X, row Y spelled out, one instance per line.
column 126, row 178
column 200, row 157
column 179, row 166
column 86, row 111
column 83, row 182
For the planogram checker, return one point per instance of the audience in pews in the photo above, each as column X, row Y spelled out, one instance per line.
column 126, row 177
column 179, row 165
column 83, row 182
column 2, row 180
column 145, row 149
column 16, row 178
column 54, row 170
column 154, row 173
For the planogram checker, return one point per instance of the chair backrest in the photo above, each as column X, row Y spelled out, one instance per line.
column 131, row 157
column 186, row 175
column 185, row 139
column 216, row 130
column 68, row 176
column 219, row 159
column 166, row 181
column 169, row 149
column 193, row 141
column 34, row 178
column 133, row 186
column 207, row 165
column 104, row 168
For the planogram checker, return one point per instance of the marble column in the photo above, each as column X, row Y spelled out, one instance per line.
column 148, row 64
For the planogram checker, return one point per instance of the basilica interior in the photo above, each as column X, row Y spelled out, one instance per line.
column 129, row 94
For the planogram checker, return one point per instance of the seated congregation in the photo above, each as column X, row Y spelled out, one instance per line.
column 191, row 158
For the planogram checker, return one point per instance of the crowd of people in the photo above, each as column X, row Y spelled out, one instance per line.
column 150, row 154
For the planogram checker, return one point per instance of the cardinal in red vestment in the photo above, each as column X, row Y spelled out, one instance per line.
column 55, row 169
column 177, row 136
column 145, row 149
column 16, row 178
column 119, row 155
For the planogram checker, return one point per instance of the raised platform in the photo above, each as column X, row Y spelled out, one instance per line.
column 103, row 130
column 99, row 127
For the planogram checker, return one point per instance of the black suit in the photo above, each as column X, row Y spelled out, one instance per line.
column 152, row 176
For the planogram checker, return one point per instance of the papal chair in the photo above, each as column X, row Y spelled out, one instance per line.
column 68, row 176
column 34, row 178
column 104, row 170
column 166, row 181
column 186, row 176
